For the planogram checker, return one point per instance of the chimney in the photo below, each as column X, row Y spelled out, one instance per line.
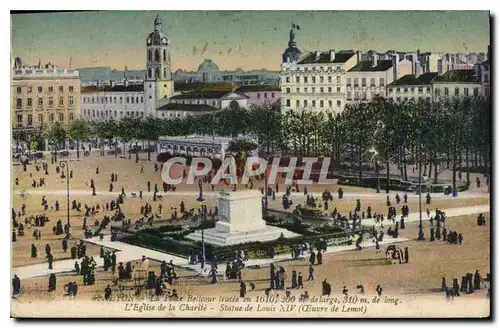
column 374, row 60
column 332, row 55
column 358, row 57
column 395, row 66
column 317, row 54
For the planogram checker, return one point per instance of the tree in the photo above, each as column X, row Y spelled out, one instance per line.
column 56, row 135
column 78, row 130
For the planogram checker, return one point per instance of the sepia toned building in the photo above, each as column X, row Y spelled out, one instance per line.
column 43, row 95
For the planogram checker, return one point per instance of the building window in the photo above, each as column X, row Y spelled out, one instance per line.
column 363, row 82
column 436, row 92
column 339, row 103
column 330, row 103
column 428, row 89
column 61, row 117
column 420, row 89
column 338, row 89
column 18, row 89
column 30, row 89
column 132, row 99
column 61, row 101
column 19, row 119
column 40, row 89
column 321, row 90
column 338, row 79
column 71, row 116
column 128, row 100
column 19, row 103
column 398, row 99
column 288, row 79
column 349, row 95
column 356, row 95
column 305, row 103
column 142, row 100
column 51, row 89
column 70, row 88
column 51, row 101
column 321, row 103
column 61, row 88
column 157, row 55
column 382, row 82
column 329, row 89
column 314, row 79
column 30, row 104
column 446, row 91
column 457, row 91
column 389, row 90
column 476, row 92
column 51, row 117
column 40, row 102
column 305, row 90
column 398, row 90
column 313, row 90
column 297, row 103
column 348, row 81
column 70, row 100
column 321, row 79
column 405, row 89
column 356, row 82
column 466, row 92
column 40, row 118
column 121, row 100
column 272, row 94
column 305, row 79
column 412, row 89
column 297, row 79
column 329, row 79
column 372, row 82
column 258, row 95
column 288, row 103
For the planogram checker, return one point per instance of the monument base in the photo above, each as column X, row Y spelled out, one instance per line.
column 218, row 238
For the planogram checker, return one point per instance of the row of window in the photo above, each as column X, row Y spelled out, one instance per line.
column 313, row 103
column 412, row 89
column 112, row 100
column 157, row 55
column 437, row 92
column 381, row 82
column 415, row 98
column 313, row 90
column 157, row 74
column 29, row 102
column 40, row 89
column 363, row 95
column 314, row 68
column 195, row 102
column 305, row 79
column 108, row 113
column 41, row 118
column 265, row 95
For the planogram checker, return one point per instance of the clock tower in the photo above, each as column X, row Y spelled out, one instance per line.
column 158, row 83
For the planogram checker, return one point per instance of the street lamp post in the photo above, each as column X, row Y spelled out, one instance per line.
column 64, row 164
column 203, row 214
column 200, row 186
column 420, row 228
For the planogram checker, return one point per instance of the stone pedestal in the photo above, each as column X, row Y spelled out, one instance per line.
column 240, row 221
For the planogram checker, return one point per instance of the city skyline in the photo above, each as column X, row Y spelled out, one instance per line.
column 245, row 39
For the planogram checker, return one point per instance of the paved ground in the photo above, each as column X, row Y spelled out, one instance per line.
column 127, row 252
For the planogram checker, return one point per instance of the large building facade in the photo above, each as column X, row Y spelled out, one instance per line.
column 43, row 95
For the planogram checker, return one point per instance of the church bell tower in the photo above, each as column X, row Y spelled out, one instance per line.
column 158, row 82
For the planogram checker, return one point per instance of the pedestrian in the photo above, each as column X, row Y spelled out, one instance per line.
column 311, row 273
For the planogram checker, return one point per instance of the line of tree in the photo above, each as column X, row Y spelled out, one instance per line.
column 439, row 134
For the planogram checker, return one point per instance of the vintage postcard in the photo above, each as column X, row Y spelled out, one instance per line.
column 250, row 164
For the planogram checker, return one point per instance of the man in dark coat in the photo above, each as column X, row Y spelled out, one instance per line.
column 50, row 260
column 33, row 251
column 14, row 237
column 107, row 293
column 16, row 285
column 73, row 252
column 320, row 258
column 65, row 244
column 52, row 282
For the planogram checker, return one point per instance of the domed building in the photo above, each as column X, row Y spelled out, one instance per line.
column 209, row 71
column 292, row 53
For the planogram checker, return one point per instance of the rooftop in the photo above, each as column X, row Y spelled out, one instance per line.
column 221, row 86
column 116, row 88
column 458, row 75
column 188, row 107
column 203, row 94
column 410, row 79
column 256, row 88
column 324, row 57
column 367, row 66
